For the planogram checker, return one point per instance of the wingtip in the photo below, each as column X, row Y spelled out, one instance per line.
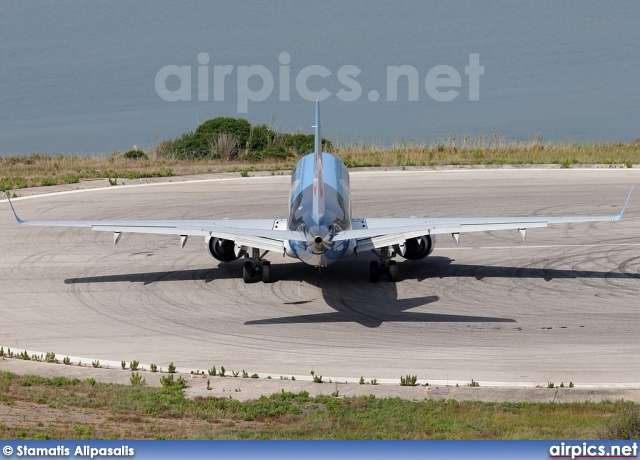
column 624, row 208
column 20, row 221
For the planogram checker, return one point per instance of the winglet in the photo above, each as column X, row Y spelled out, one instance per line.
column 624, row 208
column 20, row 221
column 317, row 212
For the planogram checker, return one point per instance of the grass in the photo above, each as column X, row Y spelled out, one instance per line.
column 61, row 408
column 44, row 170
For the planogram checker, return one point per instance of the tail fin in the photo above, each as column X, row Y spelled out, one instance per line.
column 318, row 178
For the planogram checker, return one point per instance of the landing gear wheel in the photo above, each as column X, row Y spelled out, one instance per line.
column 266, row 272
column 393, row 271
column 247, row 272
column 374, row 271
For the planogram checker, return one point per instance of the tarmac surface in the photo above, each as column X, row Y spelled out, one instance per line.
column 561, row 307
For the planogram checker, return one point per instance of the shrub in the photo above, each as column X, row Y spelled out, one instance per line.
column 624, row 426
column 277, row 153
column 135, row 154
column 66, row 360
column 261, row 137
column 213, row 372
column 196, row 145
column 96, row 364
column 70, row 179
column 90, row 381
column 169, row 382
column 50, row 357
column 227, row 137
column 172, row 368
column 153, row 367
column 133, row 365
column 123, row 364
column 408, row 381
column 303, row 143
column 136, row 379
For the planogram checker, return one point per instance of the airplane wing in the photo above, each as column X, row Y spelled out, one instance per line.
column 264, row 234
column 374, row 233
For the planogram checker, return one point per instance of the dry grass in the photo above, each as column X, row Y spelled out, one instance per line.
column 489, row 150
column 37, row 169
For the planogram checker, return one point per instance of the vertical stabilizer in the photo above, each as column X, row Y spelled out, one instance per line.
column 318, row 178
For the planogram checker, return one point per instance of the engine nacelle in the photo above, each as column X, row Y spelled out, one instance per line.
column 223, row 250
column 418, row 248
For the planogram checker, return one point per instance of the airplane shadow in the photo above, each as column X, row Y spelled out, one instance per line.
column 206, row 275
column 443, row 267
column 346, row 289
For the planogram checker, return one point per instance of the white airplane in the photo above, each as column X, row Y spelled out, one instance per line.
column 320, row 229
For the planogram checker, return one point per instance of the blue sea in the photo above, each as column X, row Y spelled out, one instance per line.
column 93, row 77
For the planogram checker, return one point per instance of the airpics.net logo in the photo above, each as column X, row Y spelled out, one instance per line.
column 257, row 83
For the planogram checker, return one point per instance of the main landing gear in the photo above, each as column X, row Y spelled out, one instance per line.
column 385, row 266
column 255, row 267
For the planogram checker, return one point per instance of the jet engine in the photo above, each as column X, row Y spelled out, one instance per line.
column 418, row 248
column 223, row 250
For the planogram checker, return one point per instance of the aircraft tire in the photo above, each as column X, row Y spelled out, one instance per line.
column 266, row 272
column 393, row 271
column 374, row 271
column 247, row 272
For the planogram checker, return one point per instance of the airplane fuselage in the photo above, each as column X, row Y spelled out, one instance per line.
column 320, row 222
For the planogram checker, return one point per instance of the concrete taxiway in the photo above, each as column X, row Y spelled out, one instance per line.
column 561, row 307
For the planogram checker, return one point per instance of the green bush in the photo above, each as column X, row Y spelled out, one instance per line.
column 137, row 380
column 169, row 382
column 303, row 143
column 624, row 426
column 8, row 183
column 261, row 137
column 70, row 179
column 260, row 141
column 275, row 153
column 196, row 145
column 135, row 154
column 408, row 381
